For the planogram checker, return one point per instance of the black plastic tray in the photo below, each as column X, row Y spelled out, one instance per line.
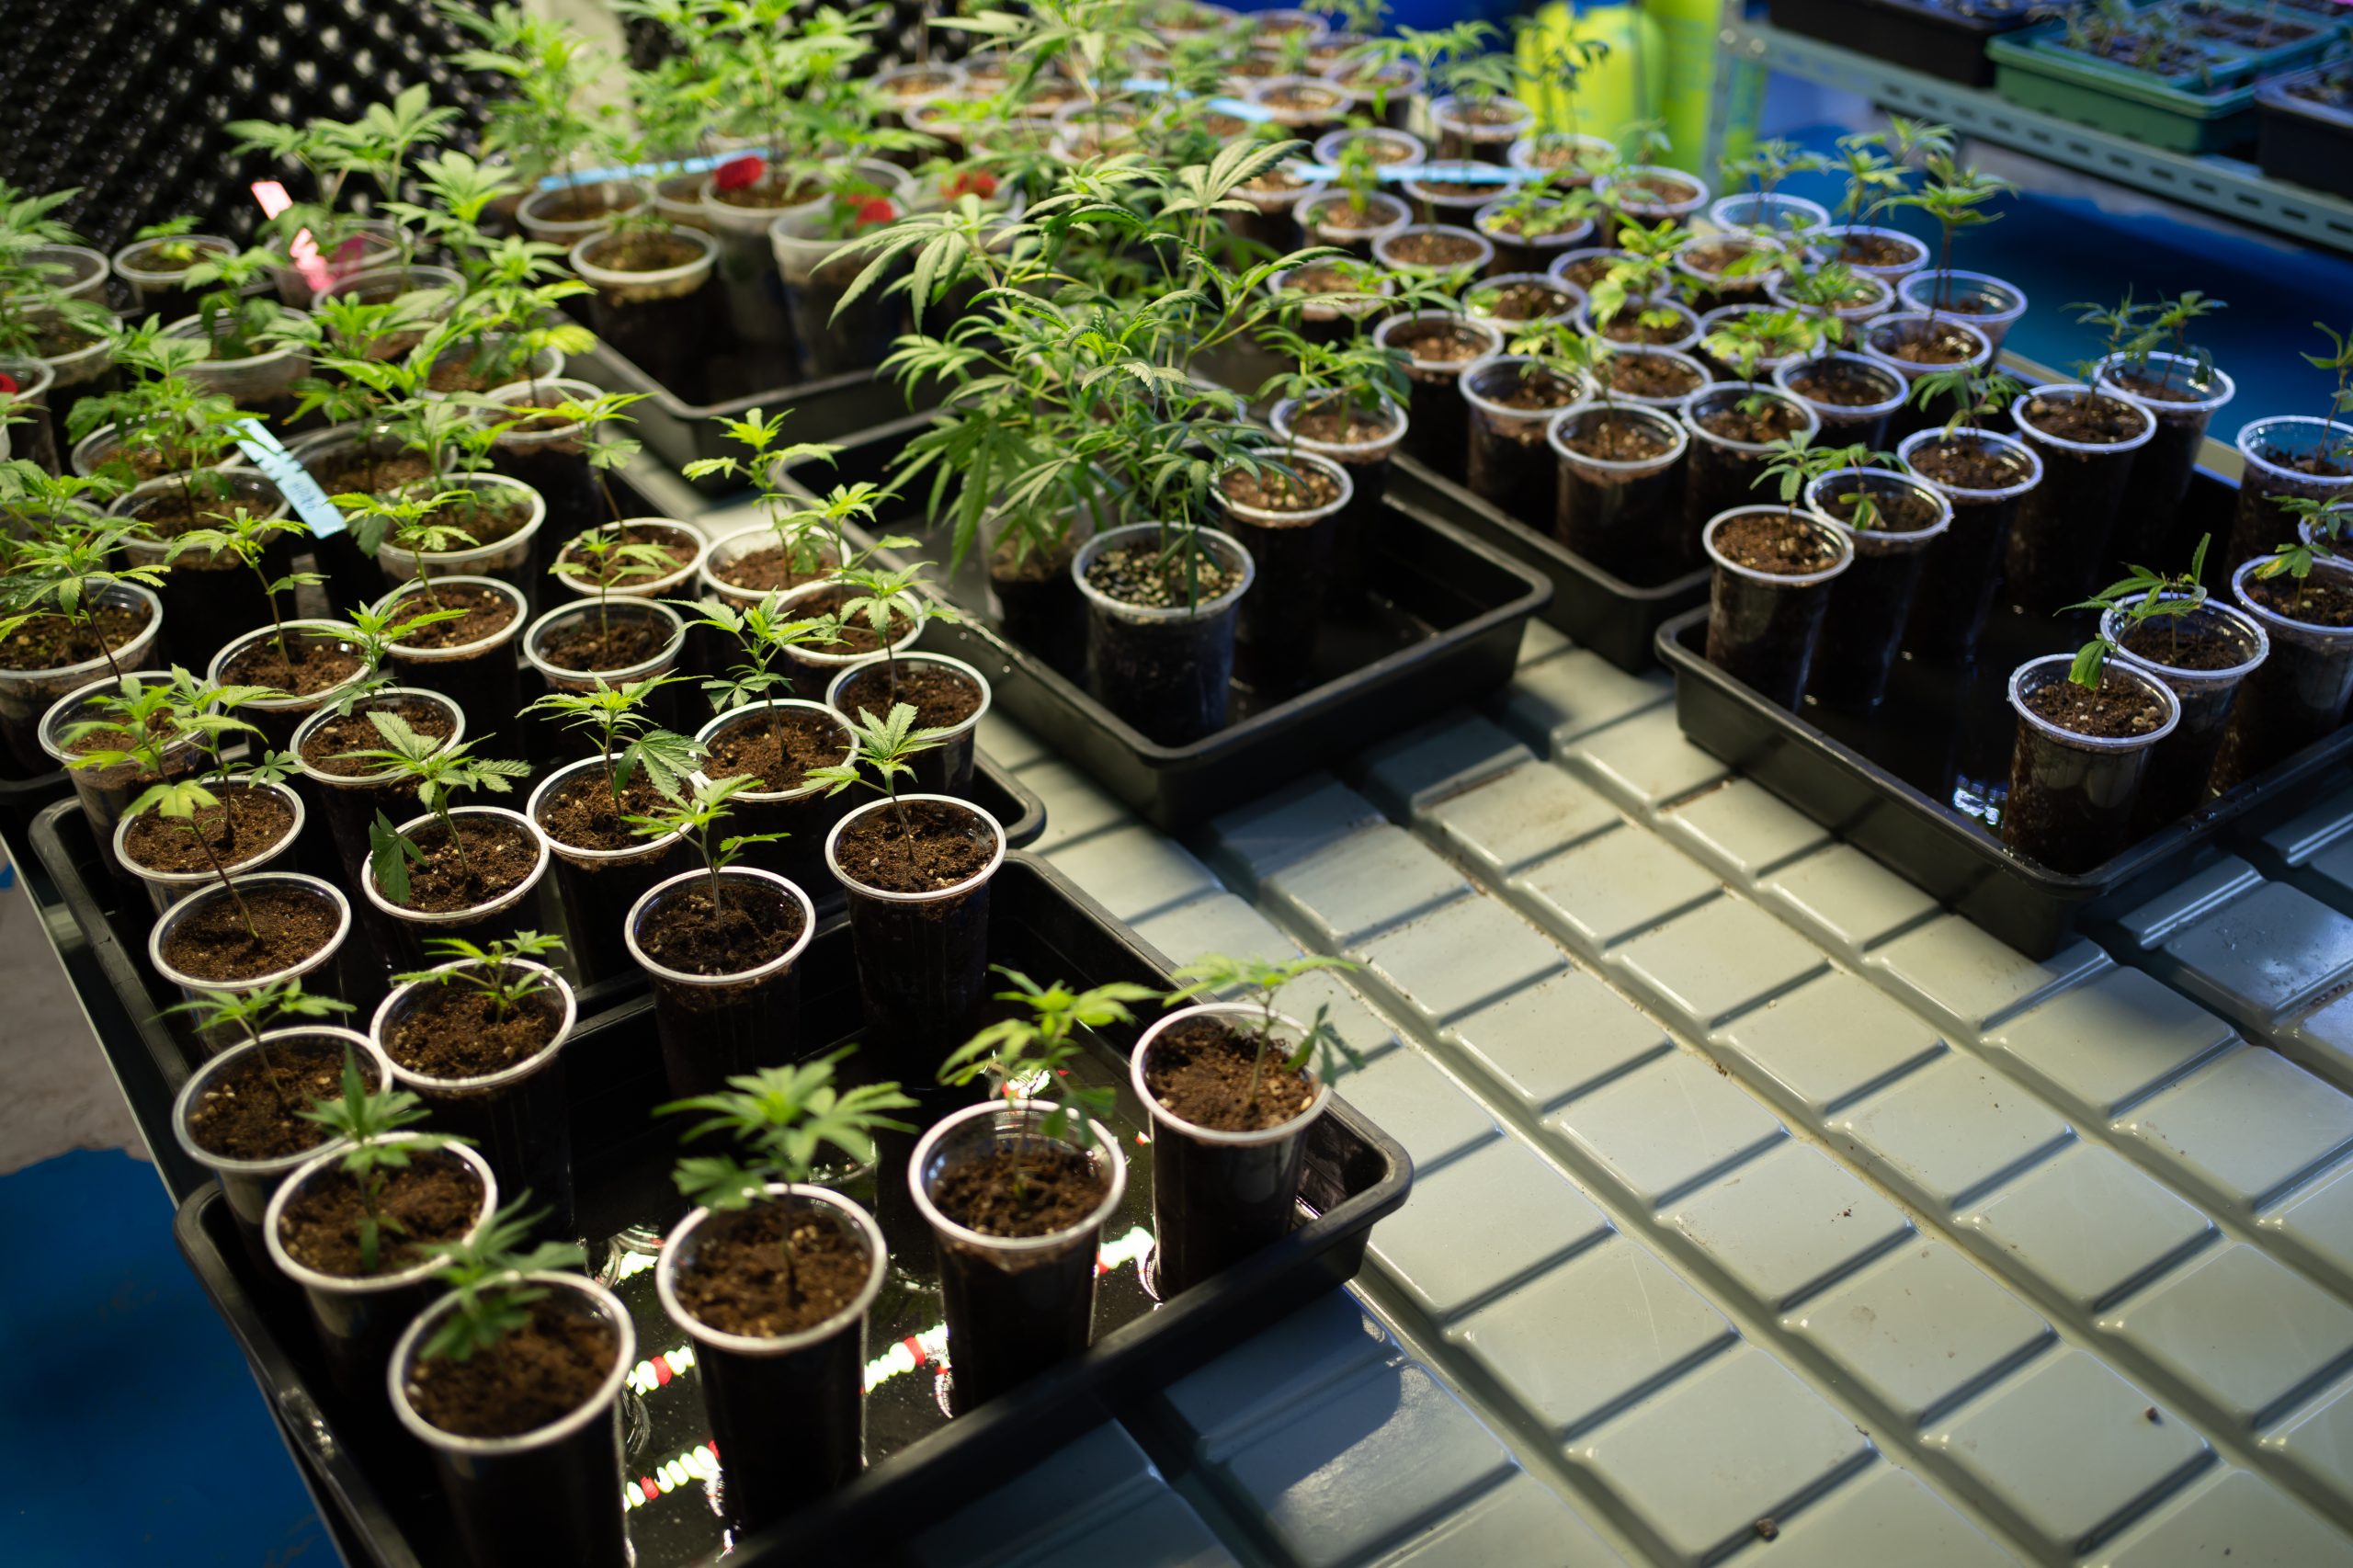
column 1905, row 781
column 1935, row 39
column 1593, row 608
column 923, row 1466
column 1448, row 614
column 21, row 799
column 2298, row 140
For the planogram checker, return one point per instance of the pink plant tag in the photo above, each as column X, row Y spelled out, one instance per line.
column 304, row 250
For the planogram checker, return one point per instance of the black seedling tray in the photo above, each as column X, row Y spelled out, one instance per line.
column 1946, row 41
column 679, row 431
column 922, row 1466
column 1593, row 608
column 1446, row 614
column 1917, row 781
column 21, row 799
column 2301, row 140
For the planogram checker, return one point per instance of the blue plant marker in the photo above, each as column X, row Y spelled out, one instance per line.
column 268, row 454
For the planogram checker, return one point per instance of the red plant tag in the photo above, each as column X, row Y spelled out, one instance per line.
column 982, row 184
column 871, row 210
column 7, row 382
column 737, row 173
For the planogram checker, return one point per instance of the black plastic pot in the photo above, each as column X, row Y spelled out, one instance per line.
column 1219, row 1197
column 598, row 887
column 2152, row 526
column 1623, row 516
column 785, row 1413
column 2276, row 452
column 348, row 804
column 922, row 956
column 1872, row 599
column 518, row 1118
column 1844, row 424
column 547, row 1495
column 279, row 717
column 358, row 1320
column 1016, row 1306
column 1718, row 473
column 1170, row 672
column 714, row 1027
column 1367, row 462
column 947, row 769
column 483, row 677
column 405, row 932
column 1509, row 462
column 662, row 320
column 1762, row 628
column 1966, row 562
column 2072, row 796
column 1291, row 556
column 1882, row 336
column 2184, row 763
column 1439, row 433
column 2298, row 695
column 2059, row 553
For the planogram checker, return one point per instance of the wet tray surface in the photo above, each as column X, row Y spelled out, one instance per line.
column 920, row 1463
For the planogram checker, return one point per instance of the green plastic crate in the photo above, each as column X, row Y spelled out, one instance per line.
column 2203, row 112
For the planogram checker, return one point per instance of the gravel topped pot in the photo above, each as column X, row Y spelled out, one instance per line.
column 1765, row 606
column 1165, row 670
column 2074, row 788
column 2203, row 657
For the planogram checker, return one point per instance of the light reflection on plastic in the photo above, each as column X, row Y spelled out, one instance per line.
column 649, row 1375
column 698, row 1463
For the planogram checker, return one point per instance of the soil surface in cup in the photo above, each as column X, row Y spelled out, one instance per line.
column 1874, row 250
column 492, row 855
column 1839, row 383
column 764, row 571
column 535, row 1376
column 52, row 642
column 2187, row 643
column 1627, row 326
column 752, row 923
column 1331, row 278
column 779, row 748
column 620, row 573
column 580, row 811
column 477, row 371
column 2096, row 420
column 942, row 698
column 307, row 667
column 1138, row 576
column 1029, row 1188
column 245, row 822
column 456, row 1030
column 853, row 637
column 1270, row 490
column 111, row 737
column 1588, row 270
column 1338, row 425
column 1434, row 250
column 2156, row 388
column 1439, row 342
column 1663, row 191
column 1774, row 542
column 1713, row 258
column 740, row 1279
column 1966, row 464
column 2118, row 709
column 436, row 1198
column 1772, row 420
column 328, row 747
column 1895, row 510
column 1534, row 389
column 483, row 612
column 1513, row 226
column 171, row 513
column 644, row 252
column 1616, row 436
column 496, row 513
column 2315, row 600
column 255, row 1112
column 351, row 471
column 1648, row 375
column 1208, row 1073
column 213, row 942
column 593, row 641
column 937, row 846
column 1920, row 344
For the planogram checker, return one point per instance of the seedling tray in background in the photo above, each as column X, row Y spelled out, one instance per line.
column 1447, row 614
column 922, row 1466
column 1594, row 609
column 1942, row 40
column 2175, row 115
column 2303, row 140
column 1910, row 783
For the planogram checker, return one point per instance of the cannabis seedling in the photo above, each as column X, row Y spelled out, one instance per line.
column 1262, row 982
column 252, row 1012
column 1978, row 392
column 493, row 971
column 891, row 604
column 2328, row 518
column 248, row 538
column 373, row 1123
column 887, row 745
column 485, row 1275
column 694, row 818
column 628, row 740
column 1795, row 462
column 2143, row 596
column 1029, row 1054
column 440, row 771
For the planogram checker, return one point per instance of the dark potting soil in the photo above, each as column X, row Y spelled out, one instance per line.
column 2096, row 420
column 534, row 1377
column 250, row 1112
column 577, row 204
column 496, row 513
column 1277, row 181
column 938, row 846
column 1713, row 258
column 170, row 513
column 462, row 373
column 1329, row 279
column 1614, row 436
column 580, row 811
column 1898, row 511
column 1967, row 465
column 1872, row 250
column 740, row 1280
column 644, row 253
column 2315, row 601
column 1533, row 389
column 2199, row 641
column 2332, row 90
column 1306, row 490
column 778, row 749
column 1588, row 270
column 1140, row 577
column 942, row 698
column 1033, row 1189
column 769, row 192
column 604, row 642
column 328, row 747
column 1343, row 219
column 1627, row 326
column 454, row 1030
column 289, row 924
column 246, row 822
column 1921, row 346
column 1838, row 383
column 112, row 737
column 765, row 571
column 670, row 541
column 1340, row 426
column 1520, row 301
column 2156, row 388
column 350, row 472
column 315, row 665
column 436, row 1198
column 1772, row 420
column 497, row 855
column 52, row 642
column 1302, row 97
column 1439, row 342
column 1774, row 542
column 1201, row 1069
column 488, row 612
column 1649, row 375
column 2118, row 708
column 753, row 924
column 1654, row 190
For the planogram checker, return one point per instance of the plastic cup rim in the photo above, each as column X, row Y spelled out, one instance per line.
column 373, row 1284
column 765, row 970
column 978, row 879
column 2175, row 675
column 1846, row 547
column 2106, row 744
column 599, row 1405
column 1212, row 1135
column 674, row 1247
column 1116, row 1185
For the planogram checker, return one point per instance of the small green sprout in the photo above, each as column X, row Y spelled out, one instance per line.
column 1263, row 982
column 374, row 1124
column 485, row 1274
column 493, row 971
column 2143, row 596
column 1031, row 1054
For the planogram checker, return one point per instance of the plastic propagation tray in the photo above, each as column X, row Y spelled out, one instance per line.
column 2200, row 112
column 921, row 1465
column 1945, row 38
column 1446, row 614
column 2305, row 140
column 1616, row 618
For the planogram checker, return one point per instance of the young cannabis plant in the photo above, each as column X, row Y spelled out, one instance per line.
column 891, row 604
column 252, row 1013
column 628, row 740
column 440, row 771
column 888, row 745
column 1262, row 982
column 2142, row 597
column 696, row 817
column 374, row 1124
column 1978, row 392
column 248, row 538
column 485, row 1274
column 1029, row 1055
column 493, row 970
column 2328, row 518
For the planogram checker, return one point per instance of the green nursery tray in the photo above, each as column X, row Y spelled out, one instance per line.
column 2204, row 112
